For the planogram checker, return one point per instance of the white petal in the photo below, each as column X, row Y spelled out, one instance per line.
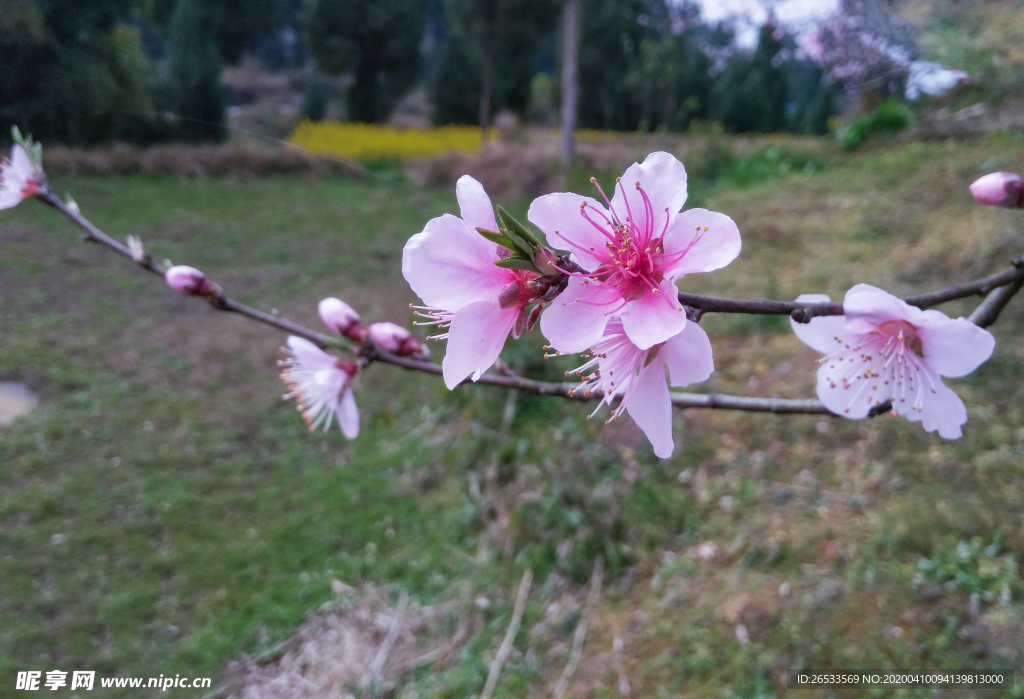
column 942, row 412
column 954, row 347
column 450, row 265
column 21, row 163
column 653, row 318
column 348, row 415
column 474, row 204
column 475, row 338
column 576, row 319
column 822, row 333
column 688, row 356
column 312, row 357
column 651, row 408
column 862, row 388
column 710, row 240
column 558, row 215
column 870, row 304
column 663, row 179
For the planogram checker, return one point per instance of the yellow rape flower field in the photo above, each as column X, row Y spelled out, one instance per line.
column 373, row 142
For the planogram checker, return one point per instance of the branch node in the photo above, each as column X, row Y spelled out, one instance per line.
column 877, row 410
column 800, row 315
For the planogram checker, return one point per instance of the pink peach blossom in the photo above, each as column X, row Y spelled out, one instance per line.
column 999, row 189
column 18, row 178
column 451, row 267
column 637, row 376
column 191, row 282
column 885, row 349
column 394, row 338
column 341, row 318
column 321, row 385
column 634, row 251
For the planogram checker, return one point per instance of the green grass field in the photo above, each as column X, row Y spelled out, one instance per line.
column 163, row 511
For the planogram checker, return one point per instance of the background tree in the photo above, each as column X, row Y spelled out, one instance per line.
column 378, row 41
column 517, row 38
column 751, row 94
column 233, row 25
column 73, row 72
column 190, row 84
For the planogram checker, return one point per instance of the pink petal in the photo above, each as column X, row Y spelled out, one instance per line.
column 653, row 318
column 943, row 411
column 706, row 250
column 822, row 331
column 651, row 408
column 474, row 204
column 475, row 338
column 450, row 265
column 856, row 397
column 558, row 215
column 576, row 319
column 663, row 179
column 311, row 356
column 348, row 415
column 688, row 356
column 873, row 305
column 953, row 347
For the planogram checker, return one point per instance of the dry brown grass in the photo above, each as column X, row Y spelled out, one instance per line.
column 239, row 160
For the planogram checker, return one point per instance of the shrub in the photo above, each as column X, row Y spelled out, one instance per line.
column 887, row 119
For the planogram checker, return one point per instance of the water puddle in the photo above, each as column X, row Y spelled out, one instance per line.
column 15, row 400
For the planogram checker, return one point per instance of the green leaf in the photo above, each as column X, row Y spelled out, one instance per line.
column 516, row 263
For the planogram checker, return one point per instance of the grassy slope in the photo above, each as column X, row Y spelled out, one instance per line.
column 200, row 521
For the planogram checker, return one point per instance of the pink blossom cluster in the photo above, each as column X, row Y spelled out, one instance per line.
column 610, row 293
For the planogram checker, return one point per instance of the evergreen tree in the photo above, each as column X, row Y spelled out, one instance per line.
column 377, row 41
column 192, row 71
column 72, row 71
column 233, row 25
column 750, row 95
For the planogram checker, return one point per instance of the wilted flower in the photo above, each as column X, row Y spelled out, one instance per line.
column 394, row 338
column 620, row 369
column 451, row 267
column 885, row 349
column 341, row 318
column 1000, row 189
column 321, row 385
column 18, row 178
column 191, row 282
column 635, row 250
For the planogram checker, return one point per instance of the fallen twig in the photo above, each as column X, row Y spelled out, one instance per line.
column 510, row 635
column 581, row 629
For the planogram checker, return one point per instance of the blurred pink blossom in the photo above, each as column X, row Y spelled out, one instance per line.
column 1000, row 189
column 394, row 338
column 321, row 385
column 885, row 349
column 18, row 178
column 191, row 282
column 341, row 318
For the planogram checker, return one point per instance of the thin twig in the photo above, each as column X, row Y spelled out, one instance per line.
column 373, row 672
column 510, row 635
column 988, row 311
column 581, row 629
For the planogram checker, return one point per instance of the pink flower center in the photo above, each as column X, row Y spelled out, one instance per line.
column 30, row 188
column 904, row 332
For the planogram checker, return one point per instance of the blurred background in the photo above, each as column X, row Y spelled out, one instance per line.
column 162, row 511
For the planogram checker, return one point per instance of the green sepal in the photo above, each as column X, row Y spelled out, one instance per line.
column 518, row 233
column 497, row 238
column 516, row 263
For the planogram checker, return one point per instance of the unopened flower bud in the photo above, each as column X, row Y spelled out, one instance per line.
column 1000, row 189
column 190, row 281
column 348, row 366
column 395, row 338
column 546, row 262
column 341, row 318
